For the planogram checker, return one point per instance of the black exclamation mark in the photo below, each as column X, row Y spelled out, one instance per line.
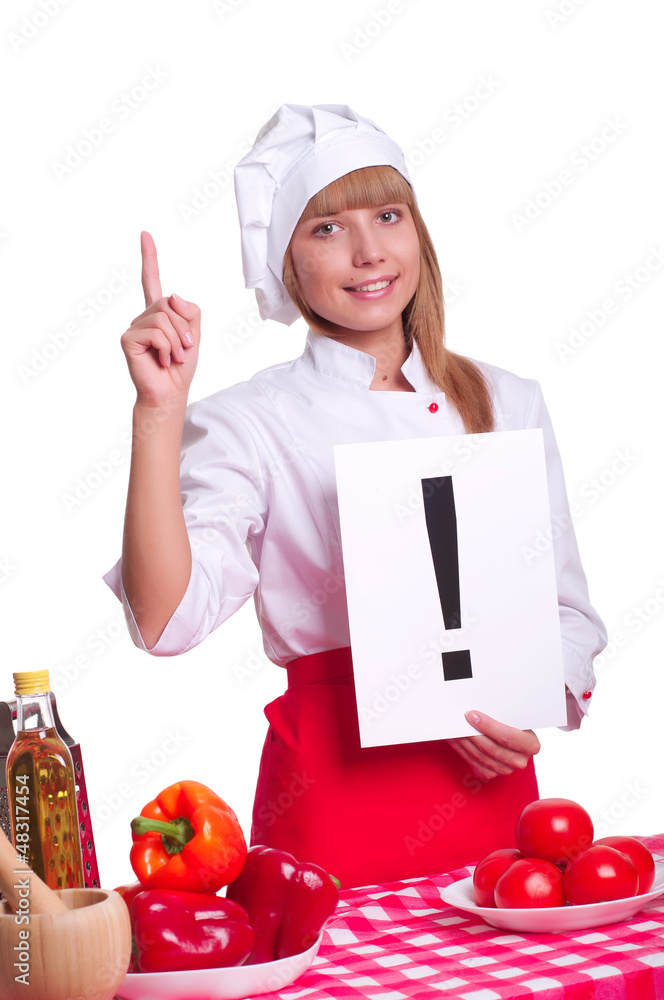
column 440, row 514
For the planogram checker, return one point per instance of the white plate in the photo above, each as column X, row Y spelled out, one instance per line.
column 552, row 919
column 235, row 983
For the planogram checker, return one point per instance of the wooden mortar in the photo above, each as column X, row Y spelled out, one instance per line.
column 74, row 944
column 81, row 954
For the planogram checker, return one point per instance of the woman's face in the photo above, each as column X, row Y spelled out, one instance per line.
column 359, row 268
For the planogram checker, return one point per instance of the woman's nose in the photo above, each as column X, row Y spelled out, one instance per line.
column 367, row 247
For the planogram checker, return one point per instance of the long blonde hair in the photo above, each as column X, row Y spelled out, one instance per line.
column 424, row 316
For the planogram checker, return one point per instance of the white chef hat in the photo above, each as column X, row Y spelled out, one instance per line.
column 297, row 153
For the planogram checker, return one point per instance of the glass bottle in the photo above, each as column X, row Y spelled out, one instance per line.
column 42, row 789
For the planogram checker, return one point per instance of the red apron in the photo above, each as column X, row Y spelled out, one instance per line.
column 374, row 814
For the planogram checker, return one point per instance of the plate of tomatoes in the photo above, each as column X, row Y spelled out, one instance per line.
column 558, row 878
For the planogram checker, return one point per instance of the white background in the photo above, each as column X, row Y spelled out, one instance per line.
column 514, row 291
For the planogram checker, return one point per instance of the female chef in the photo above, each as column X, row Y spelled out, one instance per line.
column 235, row 495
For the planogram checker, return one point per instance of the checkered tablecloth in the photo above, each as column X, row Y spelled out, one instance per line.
column 401, row 940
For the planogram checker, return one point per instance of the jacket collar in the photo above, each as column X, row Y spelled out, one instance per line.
column 333, row 359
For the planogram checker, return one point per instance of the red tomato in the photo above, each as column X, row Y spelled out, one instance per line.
column 489, row 871
column 554, row 829
column 530, row 882
column 638, row 854
column 599, row 874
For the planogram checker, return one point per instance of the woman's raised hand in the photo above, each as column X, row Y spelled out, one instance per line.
column 161, row 345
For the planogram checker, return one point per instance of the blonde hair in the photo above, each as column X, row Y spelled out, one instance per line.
column 424, row 316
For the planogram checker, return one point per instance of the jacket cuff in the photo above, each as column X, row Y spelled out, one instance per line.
column 579, row 681
column 177, row 636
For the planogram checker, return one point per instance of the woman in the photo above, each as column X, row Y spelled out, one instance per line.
column 330, row 231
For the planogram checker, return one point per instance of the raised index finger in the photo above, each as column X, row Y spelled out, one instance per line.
column 150, row 270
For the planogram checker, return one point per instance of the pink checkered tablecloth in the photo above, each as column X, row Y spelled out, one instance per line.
column 401, row 940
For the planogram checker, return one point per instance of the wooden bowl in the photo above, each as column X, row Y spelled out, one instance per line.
column 80, row 955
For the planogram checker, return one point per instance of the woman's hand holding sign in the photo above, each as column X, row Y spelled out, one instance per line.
column 500, row 749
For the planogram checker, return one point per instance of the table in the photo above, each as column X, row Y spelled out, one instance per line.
column 400, row 940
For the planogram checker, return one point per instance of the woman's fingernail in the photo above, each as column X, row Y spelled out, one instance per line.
column 179, row 300
column 473, row 718
column 188, row 339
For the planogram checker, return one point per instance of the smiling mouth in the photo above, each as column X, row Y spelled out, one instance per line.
column 371, row 286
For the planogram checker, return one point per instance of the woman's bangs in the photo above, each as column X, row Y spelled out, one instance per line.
column 361, row 188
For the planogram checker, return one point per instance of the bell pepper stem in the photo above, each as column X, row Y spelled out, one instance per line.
column 174, row 834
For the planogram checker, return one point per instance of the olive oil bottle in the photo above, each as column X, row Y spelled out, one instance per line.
column 41, row 788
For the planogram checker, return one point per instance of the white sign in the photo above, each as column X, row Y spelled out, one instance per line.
column 446, row 613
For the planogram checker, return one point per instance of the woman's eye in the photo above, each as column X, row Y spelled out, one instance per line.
column 387, row 216
column 326, row 229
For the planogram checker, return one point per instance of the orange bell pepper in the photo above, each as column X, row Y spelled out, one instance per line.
column 187, row 838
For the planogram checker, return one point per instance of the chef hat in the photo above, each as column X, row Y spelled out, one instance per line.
column 297, row 153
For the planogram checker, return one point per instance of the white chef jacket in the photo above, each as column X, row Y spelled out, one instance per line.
column 260, row 501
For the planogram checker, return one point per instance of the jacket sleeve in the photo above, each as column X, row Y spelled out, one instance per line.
column 223, row 500
column 582, row 630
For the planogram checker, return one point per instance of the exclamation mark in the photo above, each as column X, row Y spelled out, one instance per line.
column 440, row 514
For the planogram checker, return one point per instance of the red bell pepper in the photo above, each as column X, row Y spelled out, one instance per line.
column 128, row 893
column 187, row 838
column 129, row 890
column 288, row 902
column 188, row 930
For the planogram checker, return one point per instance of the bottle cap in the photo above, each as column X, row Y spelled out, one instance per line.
column 31, row 682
